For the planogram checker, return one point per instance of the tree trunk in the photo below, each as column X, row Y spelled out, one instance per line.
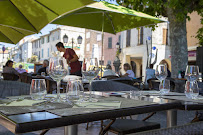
column 178, row 43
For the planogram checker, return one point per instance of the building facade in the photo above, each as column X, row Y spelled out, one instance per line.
column 44, row 46
column 139, row 46
column 93, row 46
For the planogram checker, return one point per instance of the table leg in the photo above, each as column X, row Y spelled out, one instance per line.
column 171, row 118
column 71, row 130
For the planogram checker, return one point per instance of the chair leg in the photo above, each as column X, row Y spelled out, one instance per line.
column 150, row 115
column 87, row 126
column 44, row 132
column 107, row 127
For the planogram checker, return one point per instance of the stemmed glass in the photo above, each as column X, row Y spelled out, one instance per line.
column 90, row 73
column 161, row 74
column 191, row 86
column 58, row 69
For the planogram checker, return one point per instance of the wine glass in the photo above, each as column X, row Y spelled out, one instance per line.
column 90, row 73
column 58, row 69
column 192, row 73
column 38, row 89
column 191, row 89
column 72, row 90
column 161, row 74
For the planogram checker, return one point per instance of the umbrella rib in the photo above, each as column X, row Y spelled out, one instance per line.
column 7, row 37
column 46, row 7
column 24, row 16
column 111, row 22
column 17, row 31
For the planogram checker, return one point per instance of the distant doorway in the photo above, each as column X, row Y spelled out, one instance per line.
column 134, row 68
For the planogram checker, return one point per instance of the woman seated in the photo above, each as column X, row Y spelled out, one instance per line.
column 129, row 73
column 8, row 68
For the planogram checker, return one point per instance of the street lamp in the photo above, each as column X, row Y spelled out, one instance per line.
column 79, row 40
column 117, row 62
column 65, row 39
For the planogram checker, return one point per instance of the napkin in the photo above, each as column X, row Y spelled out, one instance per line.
column 98, row 105
column 24, row 102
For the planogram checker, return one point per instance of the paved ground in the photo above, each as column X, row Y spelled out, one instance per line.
column 183, row 118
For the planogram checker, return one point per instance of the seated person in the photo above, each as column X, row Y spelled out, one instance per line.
column 150, row 73
column 20, row 69
column 43, row 68
column 108, row 71
column 129, row 73
column 8, row 68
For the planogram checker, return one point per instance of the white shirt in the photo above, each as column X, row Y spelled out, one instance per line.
column 109, row 72
column 130, row 73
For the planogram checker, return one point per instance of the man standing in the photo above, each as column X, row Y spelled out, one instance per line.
column 72, row 59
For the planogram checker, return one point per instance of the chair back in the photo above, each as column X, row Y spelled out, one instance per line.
column 13, row 88
column 110, row 85
column 110, row 77
column 10, row 76
column 23, row 77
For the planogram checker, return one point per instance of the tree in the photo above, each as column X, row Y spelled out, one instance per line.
column 177, row 13
column 33, row 59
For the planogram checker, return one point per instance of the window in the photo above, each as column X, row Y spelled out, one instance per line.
column 39, row 55
column 140, row 36
column 109, row 62
column 165, row 36
column 88, row 35
column 42, row 40
column 99, row 37
column 57, row 34
column 42, row 53
column 48, row 53
column 53, row 38
column 88, row 47
column 48, row 39
column 128, row 35
column 101, row 62
column 110, row 42
column 39, row 44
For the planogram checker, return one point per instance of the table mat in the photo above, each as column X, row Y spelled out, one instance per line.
column 124, row 104
column 98, row 105
column 23, row 102
column 184, row 98
column 11, row 110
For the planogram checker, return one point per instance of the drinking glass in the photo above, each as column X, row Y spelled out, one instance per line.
column 38, row 89
column 164, row 87
column 161, row 74
column 192, row 73
column 43, row 74
column 58, row 69
column 72, row 91
column 90, row 73
column 191, row 89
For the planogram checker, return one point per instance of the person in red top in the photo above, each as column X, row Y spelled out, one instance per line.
column 72, row 59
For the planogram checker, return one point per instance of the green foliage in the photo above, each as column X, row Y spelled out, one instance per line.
column 33, row 59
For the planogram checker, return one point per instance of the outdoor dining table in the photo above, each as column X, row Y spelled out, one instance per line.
column 22, row 119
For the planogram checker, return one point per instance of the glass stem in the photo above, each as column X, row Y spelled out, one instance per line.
column 90, row 89
column 58, row 89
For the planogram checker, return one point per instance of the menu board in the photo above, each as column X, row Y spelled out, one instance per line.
column 37, row 66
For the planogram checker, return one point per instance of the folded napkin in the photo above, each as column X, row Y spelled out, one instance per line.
column 24, row 102
column 98, row 105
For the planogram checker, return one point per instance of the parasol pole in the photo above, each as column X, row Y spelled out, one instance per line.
column 102, row 41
